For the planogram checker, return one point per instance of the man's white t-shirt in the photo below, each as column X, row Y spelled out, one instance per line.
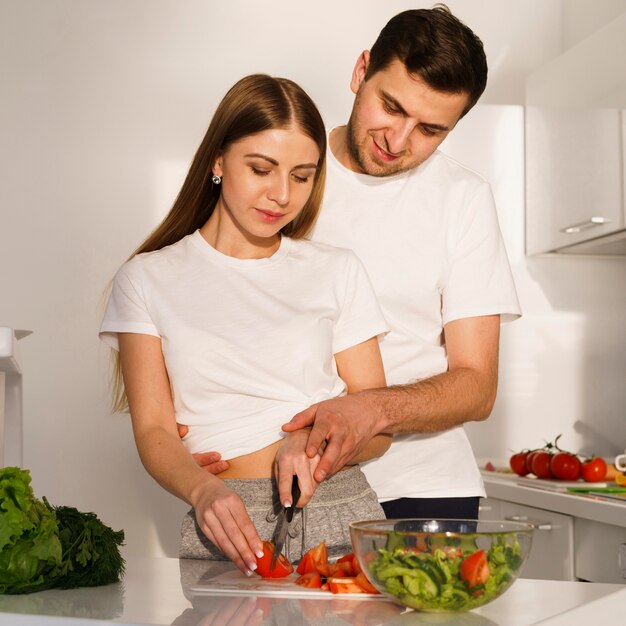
column 247, row 342
column 431, row 244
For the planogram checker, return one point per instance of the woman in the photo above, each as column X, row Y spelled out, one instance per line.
column 228, row 321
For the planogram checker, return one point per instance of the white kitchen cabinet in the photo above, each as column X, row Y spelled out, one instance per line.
column 599, row 552
column 552, row 551
column 575, row 138
column 577, row 536
column 574, row 180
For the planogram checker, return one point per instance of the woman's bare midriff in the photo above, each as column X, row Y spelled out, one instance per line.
column 257, row 464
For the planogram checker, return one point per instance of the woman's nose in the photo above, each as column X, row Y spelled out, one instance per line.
column 279, row 190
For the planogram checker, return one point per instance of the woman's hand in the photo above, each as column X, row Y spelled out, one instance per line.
column 291, row 460
column 223, row 518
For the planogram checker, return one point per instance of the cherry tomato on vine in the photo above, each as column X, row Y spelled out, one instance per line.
column 518, row 463
column 565, row 466
column 594, row 470
column 529, row 460
column 541, row 464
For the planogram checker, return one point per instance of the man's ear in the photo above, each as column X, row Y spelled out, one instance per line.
column 359, row 71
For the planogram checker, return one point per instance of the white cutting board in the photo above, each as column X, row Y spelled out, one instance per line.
column 236, row 583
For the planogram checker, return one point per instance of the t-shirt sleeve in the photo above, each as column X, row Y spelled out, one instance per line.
column 126, row 310
column 360, row 317
column 479, row 279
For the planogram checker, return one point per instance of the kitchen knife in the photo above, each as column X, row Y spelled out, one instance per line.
column 284, row 519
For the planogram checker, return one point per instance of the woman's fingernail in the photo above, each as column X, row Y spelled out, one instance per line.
column 287, row 504
column 259, row 553
column 252, row 566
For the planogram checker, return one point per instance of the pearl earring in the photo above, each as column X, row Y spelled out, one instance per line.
column 216, row 179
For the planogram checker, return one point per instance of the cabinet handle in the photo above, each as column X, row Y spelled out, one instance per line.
column 535, row 524
column 586, row 225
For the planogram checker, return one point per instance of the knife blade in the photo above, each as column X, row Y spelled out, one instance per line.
column 284, row 519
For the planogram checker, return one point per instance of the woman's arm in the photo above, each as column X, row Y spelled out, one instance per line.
column 219, row 511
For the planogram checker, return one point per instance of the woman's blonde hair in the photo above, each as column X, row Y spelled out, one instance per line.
column 255, row 103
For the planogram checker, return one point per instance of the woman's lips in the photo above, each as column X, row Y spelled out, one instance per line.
column 269, row 216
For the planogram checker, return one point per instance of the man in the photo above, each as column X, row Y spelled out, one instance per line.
column 427, row 232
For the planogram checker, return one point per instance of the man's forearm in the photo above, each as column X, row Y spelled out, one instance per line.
column 434, row 404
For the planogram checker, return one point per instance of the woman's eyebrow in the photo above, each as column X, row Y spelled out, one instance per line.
column 258, row 155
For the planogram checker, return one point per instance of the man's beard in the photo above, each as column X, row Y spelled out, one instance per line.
column 369, row 166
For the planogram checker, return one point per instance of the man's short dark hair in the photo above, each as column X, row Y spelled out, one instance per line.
column 436, row 46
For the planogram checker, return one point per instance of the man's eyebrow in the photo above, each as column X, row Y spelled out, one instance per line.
column 391, row 100
column 258, row 155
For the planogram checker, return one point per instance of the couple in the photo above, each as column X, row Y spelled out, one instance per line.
column 251, row 303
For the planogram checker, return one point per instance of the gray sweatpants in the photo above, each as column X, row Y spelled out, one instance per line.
column 343, row 498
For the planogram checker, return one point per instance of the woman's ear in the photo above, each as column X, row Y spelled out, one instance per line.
column 359, row 71
column 217, row 167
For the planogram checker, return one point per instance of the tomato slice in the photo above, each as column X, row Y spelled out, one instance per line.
column 312, row 559
column 312, row 580
column 337, row 570
column 364, row 583
column 344, row 585
column 305, row 566
column 475, row 569
column 346, row 558
column 264, row 564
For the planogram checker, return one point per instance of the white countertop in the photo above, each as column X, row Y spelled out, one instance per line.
column 545, row 495
column 158, row 591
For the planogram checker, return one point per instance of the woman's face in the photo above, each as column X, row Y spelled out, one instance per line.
column 266, row 180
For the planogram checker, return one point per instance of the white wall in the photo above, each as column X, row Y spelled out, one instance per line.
column 102, row 107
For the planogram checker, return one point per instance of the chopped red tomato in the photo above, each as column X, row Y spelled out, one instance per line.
column 337, row 570
column 312, row 559
column 312, row 580
column 353, row 560
column 282, row 567
column 364, row 583
column 475, row 569
column 346, row 558
column 345, row 585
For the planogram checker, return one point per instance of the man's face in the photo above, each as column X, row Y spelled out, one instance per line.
column 397, row 120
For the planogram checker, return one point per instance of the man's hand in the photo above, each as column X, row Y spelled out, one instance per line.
column 344, row 425
column 208, row 461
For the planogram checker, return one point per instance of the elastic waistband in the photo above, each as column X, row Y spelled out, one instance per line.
column 349, row 484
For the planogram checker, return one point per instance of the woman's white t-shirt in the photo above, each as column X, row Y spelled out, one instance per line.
column 247, row 342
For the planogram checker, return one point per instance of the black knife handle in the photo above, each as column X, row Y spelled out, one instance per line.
column 295, row 496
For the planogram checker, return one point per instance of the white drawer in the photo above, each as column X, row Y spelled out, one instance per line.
column 599, row 552
column 552, row 551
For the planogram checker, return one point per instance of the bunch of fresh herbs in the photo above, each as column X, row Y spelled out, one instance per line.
column 42, row 546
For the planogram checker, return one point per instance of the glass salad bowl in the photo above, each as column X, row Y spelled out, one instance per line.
column 441, row 565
